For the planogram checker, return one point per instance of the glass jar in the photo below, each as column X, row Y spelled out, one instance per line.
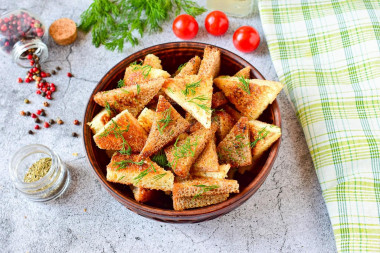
column 21, row 33
column 47, row 188
column 236, row 8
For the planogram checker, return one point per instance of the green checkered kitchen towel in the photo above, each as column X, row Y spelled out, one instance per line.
column 327, row 53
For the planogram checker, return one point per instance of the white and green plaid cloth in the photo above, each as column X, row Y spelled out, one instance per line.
column 327, row 53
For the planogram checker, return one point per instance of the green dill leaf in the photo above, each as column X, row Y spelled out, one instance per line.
column 120, row 83
column 160, row 158
column 190, row 88
column 185, row 150
column 124, row 164
column 138, row 89
column 120, row 178
column 165, row 121
column 141, row 176
column 244, row 84
column 204, row 189
column 109, row 110
column 180, row 67
column 260, row 135
column 159, row 176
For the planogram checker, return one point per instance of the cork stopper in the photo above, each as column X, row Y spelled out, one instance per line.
column 63, row 31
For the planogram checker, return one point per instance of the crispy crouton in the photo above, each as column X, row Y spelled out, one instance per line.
column 235, row 147
column 134, row 98
column 142, row 195
column 125, row 169
column 137, row 74
column 152, row 61
column 196, row 187
column 189, row 68
column 263, row 135
column 167, row 125
column 250, row 101
column 146, row 119
column 208, row 159
column 182, row 203
column 183, row 153
column 218, row 99
column 232, row 112
column 100, row 120
column 210, row 64
column 245, row 73
column 225, row 124
column 121, row 131
column 194, row 94
column 221, row 173
column 190, row 118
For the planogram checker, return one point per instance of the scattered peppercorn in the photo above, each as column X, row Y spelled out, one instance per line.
column 36, row 127
column 20, row 80
column 69, row 74
column 30, row 132
column 58, row 68
column 27, row 113
column 26, row 101
column 59, row 121
column 37, row 120
column 43, row 94
column 76, row 122
column 34, row 116
column 53, row 72
column 46, row 104
column 74, row 134
column 46, row 125
column 43, row 113
column 51, row 121
column 22, row 113
column 39, row 112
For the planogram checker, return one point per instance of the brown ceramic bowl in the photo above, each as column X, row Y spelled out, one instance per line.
column 172, row 55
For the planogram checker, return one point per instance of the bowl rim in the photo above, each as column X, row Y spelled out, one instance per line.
column 202, row 213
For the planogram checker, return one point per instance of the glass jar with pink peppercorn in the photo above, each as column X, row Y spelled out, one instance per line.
column 21, row 33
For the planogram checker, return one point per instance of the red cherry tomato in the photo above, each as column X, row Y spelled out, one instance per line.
column 246, row 39
column 185, row 27
column 216, row 23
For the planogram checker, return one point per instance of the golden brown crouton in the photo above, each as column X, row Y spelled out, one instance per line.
column 183, row 153
column 218, row 99
column 167, row 125
column 245, row 73
column 221, row 173
column 210, row 64
column 142, row 195
column 121, row 131
column 250, row 96
column 194, row 94
column 182, row 203
column 134, row 98
column 146, row 119
column 225, row 124
column 152, row 61
column 130, row 170
column 100, row 120
column 189, row 68
column 208, row 159
column 137, row 74
column 235, row 147
column 263, row 135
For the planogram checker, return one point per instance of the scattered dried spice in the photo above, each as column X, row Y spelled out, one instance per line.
column 26, row 101
column 46, row 104
column 27, row 113
column 51, row 122
column 74, row 134
column 22, row 113
column 76, row 122
column 30, row 132
column 38, row 170
column 59, row 121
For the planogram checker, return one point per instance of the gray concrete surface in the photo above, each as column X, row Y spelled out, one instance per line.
column 287, row 214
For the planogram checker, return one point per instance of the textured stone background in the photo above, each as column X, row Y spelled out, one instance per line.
column 287, row 214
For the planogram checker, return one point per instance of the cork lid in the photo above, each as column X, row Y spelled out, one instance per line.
column 63, row 31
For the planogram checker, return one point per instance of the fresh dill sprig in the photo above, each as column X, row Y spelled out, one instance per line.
column 114, row 22
column 120, row 178
column 138, row 89
column 118, row 133
column 140, row 176
column 185, row 150
column 145, row 69
column 190, row 88
column 109, row 110
column 198, row 99
column 244, row 84
column 120, row 83
column 160, row 158
column 165, row 121
column 180, row 67
column 159, row 176
column 123, row 164
column 204, row 189
column 260, row 135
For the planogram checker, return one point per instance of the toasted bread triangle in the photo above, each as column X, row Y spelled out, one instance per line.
column 182, row 203
column 167, row 125
column 137, row 74
column 208, row 159
column 125, row 169
column 251, row 103
column 134, row 98
column 210, row 64
column 263, row 135
column 190, row 68
column 225, row 123
column 235, row 147
column 123, row 127
column 197, row 100
column 153, row 61
column 183, row 153
column 245, row 73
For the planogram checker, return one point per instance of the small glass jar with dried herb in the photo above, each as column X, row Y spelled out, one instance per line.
column 38, row 173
